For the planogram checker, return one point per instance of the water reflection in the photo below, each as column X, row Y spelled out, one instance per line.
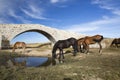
column 32, row 61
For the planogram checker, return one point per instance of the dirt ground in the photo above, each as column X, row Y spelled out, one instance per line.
column 47, row 52
column 92, row 66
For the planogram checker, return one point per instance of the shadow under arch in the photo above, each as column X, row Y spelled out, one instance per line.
column 50, row 37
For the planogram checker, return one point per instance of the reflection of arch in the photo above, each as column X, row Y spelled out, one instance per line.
column 39, row 31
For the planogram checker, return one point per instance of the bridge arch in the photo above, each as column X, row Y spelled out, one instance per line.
column 47, row 35
column 10, row 31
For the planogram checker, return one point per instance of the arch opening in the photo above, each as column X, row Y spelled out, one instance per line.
column 47, row 35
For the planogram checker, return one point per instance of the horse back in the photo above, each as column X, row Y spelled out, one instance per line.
column 80, row 41
column 98, row 38
column 64, row 44
column 116, row 41
column 20, row 44
column 93, row 39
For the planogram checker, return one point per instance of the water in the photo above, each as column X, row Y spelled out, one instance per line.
column 31, row 61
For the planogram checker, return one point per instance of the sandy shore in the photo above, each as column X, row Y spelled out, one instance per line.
column 38, row 53
column 33, row 52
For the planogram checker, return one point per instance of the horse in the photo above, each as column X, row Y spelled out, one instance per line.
column 19, row 45
column 81, row 45
column 62, row 44
column 116, row 41
column 92, row 40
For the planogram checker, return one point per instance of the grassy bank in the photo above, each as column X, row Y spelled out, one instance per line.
column 82, row 67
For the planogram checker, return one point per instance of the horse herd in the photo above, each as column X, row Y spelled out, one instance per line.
column 78, row 45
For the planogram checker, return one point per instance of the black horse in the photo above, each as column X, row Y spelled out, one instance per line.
column 61, row 44
column 116, row 41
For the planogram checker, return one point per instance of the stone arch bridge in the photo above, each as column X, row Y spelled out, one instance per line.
column 10, row 31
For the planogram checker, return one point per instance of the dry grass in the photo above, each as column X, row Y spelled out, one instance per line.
column 82, row 67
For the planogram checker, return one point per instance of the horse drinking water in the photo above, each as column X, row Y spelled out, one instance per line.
column 61, row 44
column 19, row 45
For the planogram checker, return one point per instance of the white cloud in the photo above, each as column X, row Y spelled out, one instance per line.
column 108, row 27
column 113, row 6
column 117, row 12
column 56, row 1
column 81, row 28
column 20, row 18
column 21, row 12
column 33, row 11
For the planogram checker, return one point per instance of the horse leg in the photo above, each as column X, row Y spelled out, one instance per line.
column 100, row 50
column 13, row 50
column 84, row 48
column 87, row 49
column 75, row 50
column 62, row 57
column 23, row 49
column 81, row 50
column 116, row 45
column 78, row 48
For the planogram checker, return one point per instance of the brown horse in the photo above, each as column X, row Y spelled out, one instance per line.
column 116, row 41
column 81, row 44
column 92, row 40
column 19, row 45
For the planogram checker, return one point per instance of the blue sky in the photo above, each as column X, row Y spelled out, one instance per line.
column 88, row 17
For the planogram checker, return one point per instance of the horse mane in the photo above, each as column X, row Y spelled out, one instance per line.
column 80, row 39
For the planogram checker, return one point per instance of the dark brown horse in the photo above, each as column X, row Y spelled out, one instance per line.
column 92, row 40
column 62, row 44
column 19, row 45
column 116, row 41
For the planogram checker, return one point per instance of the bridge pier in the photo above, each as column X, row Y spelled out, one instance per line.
column 5, row 44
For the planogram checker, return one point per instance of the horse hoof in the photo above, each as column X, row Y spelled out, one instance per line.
column 61, row 62
column 88, row 53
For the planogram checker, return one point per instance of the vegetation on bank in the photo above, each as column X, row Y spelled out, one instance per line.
column 82, row 67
